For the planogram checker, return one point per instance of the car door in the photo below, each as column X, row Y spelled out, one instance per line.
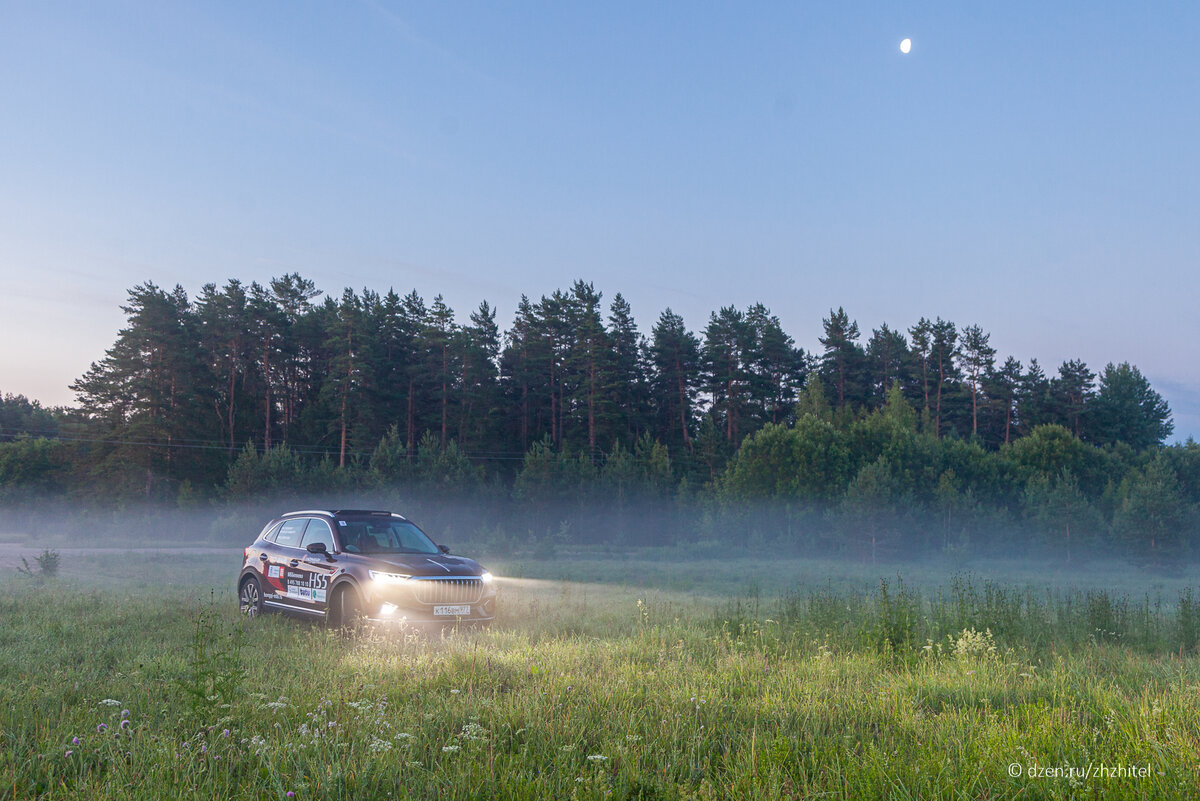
column 279, row 587
column 313, row 571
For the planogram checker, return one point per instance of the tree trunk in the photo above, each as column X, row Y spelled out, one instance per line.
column 444, row 398
column 524, row 416
column 229, row 412
column 342, row 454
column 592, row 404
column 974, row 407
column 729, row 410
column 687, row 440
column 267, row 415
column 937, row 417
column 409, row 422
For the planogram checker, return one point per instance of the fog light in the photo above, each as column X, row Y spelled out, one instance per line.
column 387, row 610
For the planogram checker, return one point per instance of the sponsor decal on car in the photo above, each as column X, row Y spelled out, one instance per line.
column 304, row 586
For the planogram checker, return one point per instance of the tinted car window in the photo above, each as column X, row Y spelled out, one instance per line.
column 383, row 536
column 318, row 531
column 274, row 531
column 291, row 532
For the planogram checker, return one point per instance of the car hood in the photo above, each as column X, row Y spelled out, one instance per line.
column 437, row 565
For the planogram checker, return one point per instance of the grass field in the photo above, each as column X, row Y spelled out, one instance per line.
column 132, row 676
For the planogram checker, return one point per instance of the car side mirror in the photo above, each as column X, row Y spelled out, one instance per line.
column 317, row 547
column 444, row 548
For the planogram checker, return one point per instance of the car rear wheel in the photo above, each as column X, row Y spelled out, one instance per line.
column 250, row 597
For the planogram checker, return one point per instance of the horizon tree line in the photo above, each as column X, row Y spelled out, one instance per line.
column 189, row 382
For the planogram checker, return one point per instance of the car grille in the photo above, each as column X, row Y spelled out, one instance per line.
column 448, row 590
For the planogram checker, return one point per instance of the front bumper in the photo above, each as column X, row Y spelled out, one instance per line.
column 422, row 601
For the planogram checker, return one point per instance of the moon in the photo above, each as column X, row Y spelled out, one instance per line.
column 905, row 46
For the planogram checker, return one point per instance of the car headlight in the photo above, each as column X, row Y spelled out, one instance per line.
column 388, row 578
column 485, row 577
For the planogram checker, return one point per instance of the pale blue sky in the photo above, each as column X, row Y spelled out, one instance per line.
column 1031, row 167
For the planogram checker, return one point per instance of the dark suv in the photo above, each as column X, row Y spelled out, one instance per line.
column 349, row 565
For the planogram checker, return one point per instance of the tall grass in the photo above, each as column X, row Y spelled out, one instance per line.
column 582, row 691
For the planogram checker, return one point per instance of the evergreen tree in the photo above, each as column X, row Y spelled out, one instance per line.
column 977, row 358
column 419, row 381
column 149, row 395
column 675, row 369
column 438, row 337
column 922, row 350
column 943, row 348
column 1060, row 512
column 293, row 296
column 349, row 352
column 479, row 346
column 268, row 332
column 1071, row 393
column 556, row 335
column 871, row 510
column 225, row 336
column 629, row 384
column 842, row 363
column 889, row 362
column 589, row 363
column 728, row 345
column 391, row 462
column 1154, row 516
column 395, row 363
column 777, row 368
column 1003, row 387
column 1126, row 409
column 1034, row 404
column 519, row 365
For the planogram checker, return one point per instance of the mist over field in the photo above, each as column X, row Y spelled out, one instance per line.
column 777, row 550
column 812, row 386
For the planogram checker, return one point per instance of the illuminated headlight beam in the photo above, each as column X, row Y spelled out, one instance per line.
column 485, row 577
column 388, row 578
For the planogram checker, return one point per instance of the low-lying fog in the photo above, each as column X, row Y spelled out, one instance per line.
column 726, row 553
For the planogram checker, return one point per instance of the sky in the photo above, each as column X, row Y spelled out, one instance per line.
column 1030, row 167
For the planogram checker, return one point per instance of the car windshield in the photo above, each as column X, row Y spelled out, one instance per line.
column 383, row 536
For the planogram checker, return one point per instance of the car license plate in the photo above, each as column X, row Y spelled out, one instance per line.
column 457, row 610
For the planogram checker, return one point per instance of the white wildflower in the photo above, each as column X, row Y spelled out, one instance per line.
column 473, row 731
column 110, row 702
column 597, row 758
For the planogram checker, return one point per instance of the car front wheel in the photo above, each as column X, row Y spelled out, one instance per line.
column 347, row 611
column 250, row 597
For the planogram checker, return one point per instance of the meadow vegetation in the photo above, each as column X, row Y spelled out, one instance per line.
column 132, row 676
